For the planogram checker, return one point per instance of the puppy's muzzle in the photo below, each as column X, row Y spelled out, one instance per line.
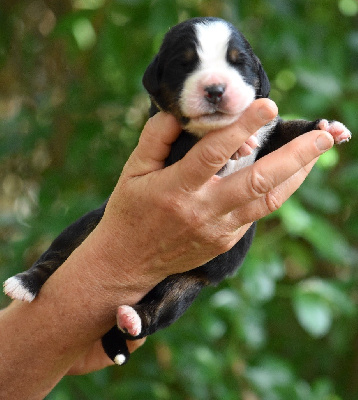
column 214, row 93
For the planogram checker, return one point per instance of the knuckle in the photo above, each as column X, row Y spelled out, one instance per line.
column 170, row 204
column 222, row 238
column 183, row 210
column 219, row 243
column 273, row 202
column 195, row 219
column 197, row 222
column 213, row 155
column 259, row 183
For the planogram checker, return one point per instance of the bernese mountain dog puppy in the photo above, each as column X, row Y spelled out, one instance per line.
column 205, row 74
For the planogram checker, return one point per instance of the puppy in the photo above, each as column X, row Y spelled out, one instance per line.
column 206, row 75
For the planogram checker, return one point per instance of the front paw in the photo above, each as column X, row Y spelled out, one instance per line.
column 247, row 148
column 16, row 287
column 339, row 132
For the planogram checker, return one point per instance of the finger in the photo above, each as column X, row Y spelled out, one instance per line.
column 94, row 359
column 272, row 200
column 245, row 150
column 154, row 145
column 213, row 151
column 252, row 142
column 266, row 174
column 133, row 345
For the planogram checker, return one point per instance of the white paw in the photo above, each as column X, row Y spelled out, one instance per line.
column 119, row 359
column 129, row 321
column 340, row 132
column 14, row 289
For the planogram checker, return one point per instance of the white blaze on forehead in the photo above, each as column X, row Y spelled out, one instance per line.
column 213, row 38
column 213, row 69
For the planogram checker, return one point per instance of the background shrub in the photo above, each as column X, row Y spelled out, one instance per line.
column 71, row 110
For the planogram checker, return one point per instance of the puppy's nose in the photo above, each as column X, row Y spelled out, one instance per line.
column 214, row 93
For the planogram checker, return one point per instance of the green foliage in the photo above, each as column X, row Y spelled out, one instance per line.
column 71, row 110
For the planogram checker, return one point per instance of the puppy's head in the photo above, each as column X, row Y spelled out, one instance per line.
column 205, row 74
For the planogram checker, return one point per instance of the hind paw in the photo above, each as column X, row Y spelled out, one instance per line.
column 120, row 359
column 339, row 132
column 129, row 321
column 14, row 288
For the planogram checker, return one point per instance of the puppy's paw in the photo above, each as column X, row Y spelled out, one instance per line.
column 14, row 288
column 120, row 359
column 129, row 321
column 247, row 148
column 339, row 132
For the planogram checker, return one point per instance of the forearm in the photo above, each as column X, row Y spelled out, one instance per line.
column 41, row 340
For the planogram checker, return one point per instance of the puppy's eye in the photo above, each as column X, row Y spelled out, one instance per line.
column 188, row 58
column 235, row 57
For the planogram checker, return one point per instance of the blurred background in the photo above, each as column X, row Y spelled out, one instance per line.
column 71, row 109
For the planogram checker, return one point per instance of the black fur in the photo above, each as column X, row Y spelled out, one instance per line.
column 164, row 80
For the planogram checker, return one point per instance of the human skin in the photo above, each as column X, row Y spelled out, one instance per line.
column 158, row 221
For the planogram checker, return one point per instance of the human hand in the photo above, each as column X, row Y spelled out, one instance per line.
column 159, row 221
column 169, row 220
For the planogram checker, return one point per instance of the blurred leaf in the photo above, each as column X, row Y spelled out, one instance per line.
column 331, row 293
column 294, row 217
column 226, row 298
column 270, row 373
column 329, row 159
column 324, row 200
column 84, row 33
column 316, row 302
column 323, row 390
column 251, row 327
column 348, row 7
column 259, row 278
column 325, row 238
column 313, row 313
column 329, row 242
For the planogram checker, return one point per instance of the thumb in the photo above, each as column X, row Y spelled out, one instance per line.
column 154, row 144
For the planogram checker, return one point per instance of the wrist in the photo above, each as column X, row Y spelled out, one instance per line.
column 99, row 276
column 119, row 263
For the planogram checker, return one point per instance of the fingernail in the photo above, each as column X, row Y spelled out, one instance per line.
column 323, row 142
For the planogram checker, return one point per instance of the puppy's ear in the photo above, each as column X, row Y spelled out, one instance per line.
column 151, row 77
column 263, row 89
